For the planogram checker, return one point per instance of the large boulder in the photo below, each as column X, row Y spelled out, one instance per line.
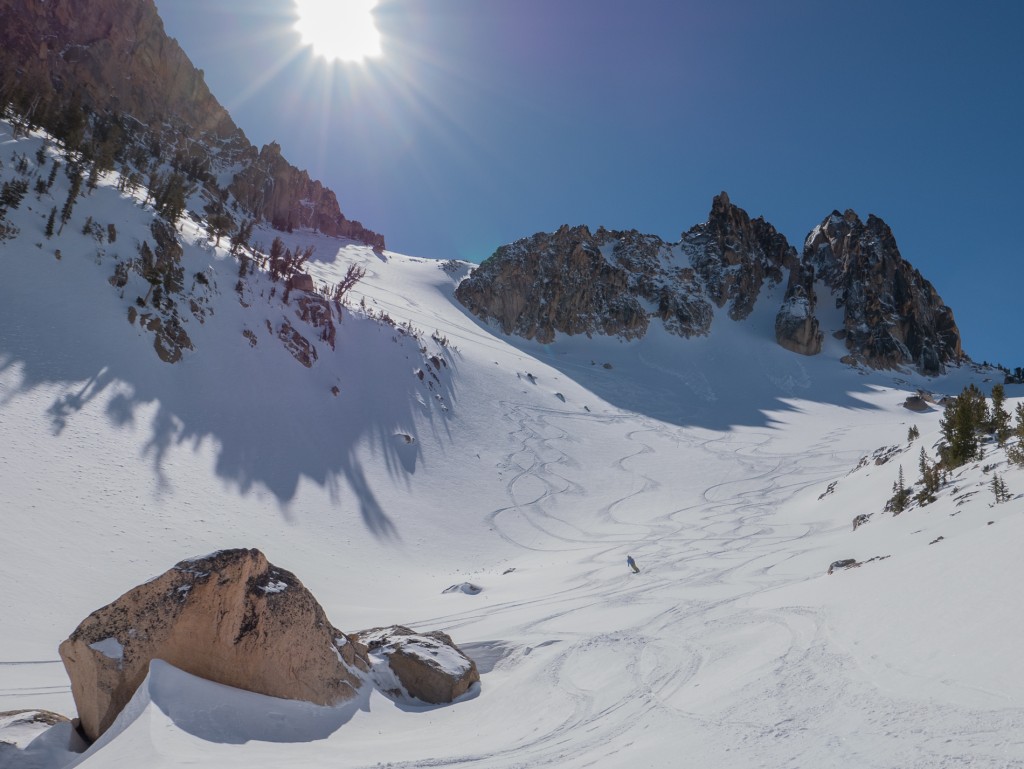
column 429, row 666
column 230, row 617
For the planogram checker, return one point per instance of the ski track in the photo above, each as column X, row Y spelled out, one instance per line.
column 720, row 545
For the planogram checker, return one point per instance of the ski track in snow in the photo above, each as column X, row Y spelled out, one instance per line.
column 720, row 653
column 723, row 544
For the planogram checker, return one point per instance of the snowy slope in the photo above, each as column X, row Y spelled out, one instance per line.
column 532, row 472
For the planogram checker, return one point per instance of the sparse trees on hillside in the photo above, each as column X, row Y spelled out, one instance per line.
column 931, row 479
column 12, row 193
column 353, row 275
column 999, row 489
column 999, row 418
column 1015, row 452
column 964, row 417
column 75, row 175
column 169, row 197
column 900, row 495
column 240, row 237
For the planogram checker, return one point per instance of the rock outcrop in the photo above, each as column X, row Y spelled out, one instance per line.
column 61, row 58
column 796, row 327
column 281, row 194
column 429, row 666
column 892, row 315
column 112, row 55
column 617, row 283
column 736, row 255
column 230, row 617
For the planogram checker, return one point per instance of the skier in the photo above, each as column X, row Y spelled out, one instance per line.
column 632, row 564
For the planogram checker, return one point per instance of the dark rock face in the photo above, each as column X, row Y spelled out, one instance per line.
column 576, row 282
column 614, row 282
column 892, row 315
column 796, row 327
column 735, row 255
column 556, row 282
column 286, row 197
column 113, row 56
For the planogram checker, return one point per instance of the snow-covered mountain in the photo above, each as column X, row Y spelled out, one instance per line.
column 384, row 444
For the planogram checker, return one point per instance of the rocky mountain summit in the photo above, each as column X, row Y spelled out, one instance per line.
column 617, row 283
column 69, row 63
column 891, row 315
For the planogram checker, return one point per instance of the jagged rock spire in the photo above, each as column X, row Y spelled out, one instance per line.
column 892, row 316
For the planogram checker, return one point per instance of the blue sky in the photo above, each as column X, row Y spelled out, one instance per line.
column 489, row 120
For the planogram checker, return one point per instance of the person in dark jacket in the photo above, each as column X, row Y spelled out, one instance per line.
column 632, row 564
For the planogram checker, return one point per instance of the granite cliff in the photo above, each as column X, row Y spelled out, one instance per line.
column 617, row 283
column 107, row 69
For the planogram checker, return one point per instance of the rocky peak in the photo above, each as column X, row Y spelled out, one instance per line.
column 609, row 282
column 113, row 58
column 735, row 255
column 612, row 282
column 555, row 282
column 892, row 315
column 280, row 193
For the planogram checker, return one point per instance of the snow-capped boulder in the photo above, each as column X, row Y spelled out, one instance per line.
column 428, row 666
column 230, row 617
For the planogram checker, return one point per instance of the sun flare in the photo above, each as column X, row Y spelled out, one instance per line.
column 339, row 30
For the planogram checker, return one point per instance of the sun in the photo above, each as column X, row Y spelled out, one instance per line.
column 339, row 30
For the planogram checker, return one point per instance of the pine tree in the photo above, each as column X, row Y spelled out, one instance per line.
column 53, row 174
column 964, row 416
column 75, row 174
column 913, row 434
column 900, row 495
column 999, row 489
column 50, row 222
column 931, row 479
column 999, row 418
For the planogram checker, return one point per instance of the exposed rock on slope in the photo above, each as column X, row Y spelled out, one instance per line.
column 114, row 54
column 796, row 327
column 286, row 197
column 113, row 57
column 892, row 315
column 735, row 255
column 615, row 283
column 429, row 666
column 231, row 617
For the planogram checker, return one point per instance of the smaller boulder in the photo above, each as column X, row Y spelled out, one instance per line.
column 464, row 587
column 916, row 403
column 429, row 666
column 845, row 563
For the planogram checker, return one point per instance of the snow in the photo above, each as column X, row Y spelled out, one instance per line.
column 707, row 459
column 109, row 647
column 274, row 586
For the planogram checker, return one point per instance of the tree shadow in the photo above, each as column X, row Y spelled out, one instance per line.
column 273, row 421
